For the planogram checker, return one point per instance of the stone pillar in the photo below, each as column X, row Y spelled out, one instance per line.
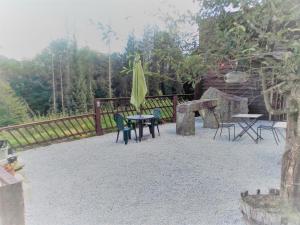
column 11, row 200
column 185, row 123
column 185, row 115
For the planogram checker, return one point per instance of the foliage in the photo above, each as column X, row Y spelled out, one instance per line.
column 192, row 69
column 162, row 57
column 253, row 37
column 244, row 34
column 12, row 108
column 263, row 38
column 64, row 79
column 79, row 75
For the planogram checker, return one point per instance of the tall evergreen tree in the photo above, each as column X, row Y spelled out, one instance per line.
column 79, row 85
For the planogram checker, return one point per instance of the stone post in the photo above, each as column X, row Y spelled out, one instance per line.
column 185, row 115
column 185, row 122
column 11, row 200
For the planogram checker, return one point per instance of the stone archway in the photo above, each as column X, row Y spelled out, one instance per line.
column 185, row 115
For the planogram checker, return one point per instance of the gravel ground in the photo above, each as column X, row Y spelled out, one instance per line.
column 169, row 180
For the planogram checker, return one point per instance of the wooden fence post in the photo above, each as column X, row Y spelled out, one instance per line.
column 98, row 127
column 175, row 102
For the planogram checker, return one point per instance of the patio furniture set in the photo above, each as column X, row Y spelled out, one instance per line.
column 247, row 122
column 137, row 121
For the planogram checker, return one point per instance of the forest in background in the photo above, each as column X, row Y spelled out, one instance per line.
column 261, row 37
column 63, row 79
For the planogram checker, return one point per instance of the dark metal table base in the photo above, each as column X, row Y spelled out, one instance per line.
column 246, row 126
column 140, row 124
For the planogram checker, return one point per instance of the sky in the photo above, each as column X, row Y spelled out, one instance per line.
column 28, row 26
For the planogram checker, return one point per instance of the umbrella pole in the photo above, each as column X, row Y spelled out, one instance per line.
column 140, row 108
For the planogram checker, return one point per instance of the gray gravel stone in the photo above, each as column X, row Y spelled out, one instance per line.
column 169, row 180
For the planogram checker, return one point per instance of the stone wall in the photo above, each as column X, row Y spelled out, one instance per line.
column 267, row 209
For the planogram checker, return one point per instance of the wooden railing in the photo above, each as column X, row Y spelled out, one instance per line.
column 46, row 132
column 97, row 123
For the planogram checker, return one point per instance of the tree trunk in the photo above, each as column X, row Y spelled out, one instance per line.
column 53, row 85
column 61, row 86
column 109, row 71
column 290, row 173
column 271, row 95
column 91, row 94
column 109, row 77
column 68, row 83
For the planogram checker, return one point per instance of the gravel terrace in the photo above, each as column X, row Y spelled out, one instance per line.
column 169, row 180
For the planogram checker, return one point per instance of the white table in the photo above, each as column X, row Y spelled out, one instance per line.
column 246, row 122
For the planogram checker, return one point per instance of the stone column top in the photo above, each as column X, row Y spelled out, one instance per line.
column 196, row 105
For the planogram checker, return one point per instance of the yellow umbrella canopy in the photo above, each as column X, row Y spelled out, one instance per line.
column 139, row 87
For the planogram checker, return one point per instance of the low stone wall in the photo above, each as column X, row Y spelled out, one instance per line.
column 267, row 209
column 185, row 115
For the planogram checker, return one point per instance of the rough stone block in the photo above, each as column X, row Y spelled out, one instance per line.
column 185, row 115
column 11, row 200
column 185, row 123
column 227, row 106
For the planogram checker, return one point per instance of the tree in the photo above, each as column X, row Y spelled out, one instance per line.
column 167, row 55
column 108, row 34
column 122, row 80
column 164, row 62
column 12, row 108
column 62, row 77
column 87, row 60
column 29, row 75
column 281, row 34
column 101, row 74
column 78, row 79
column 262, row 37
column 52, row 65
column 59, row 53
column 53, row 85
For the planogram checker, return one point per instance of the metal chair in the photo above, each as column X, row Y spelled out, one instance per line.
column 119, row 119
column 270, row 128
column 222, row 125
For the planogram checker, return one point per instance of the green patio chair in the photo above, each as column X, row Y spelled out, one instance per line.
column 157, row 117
column 119, row 120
